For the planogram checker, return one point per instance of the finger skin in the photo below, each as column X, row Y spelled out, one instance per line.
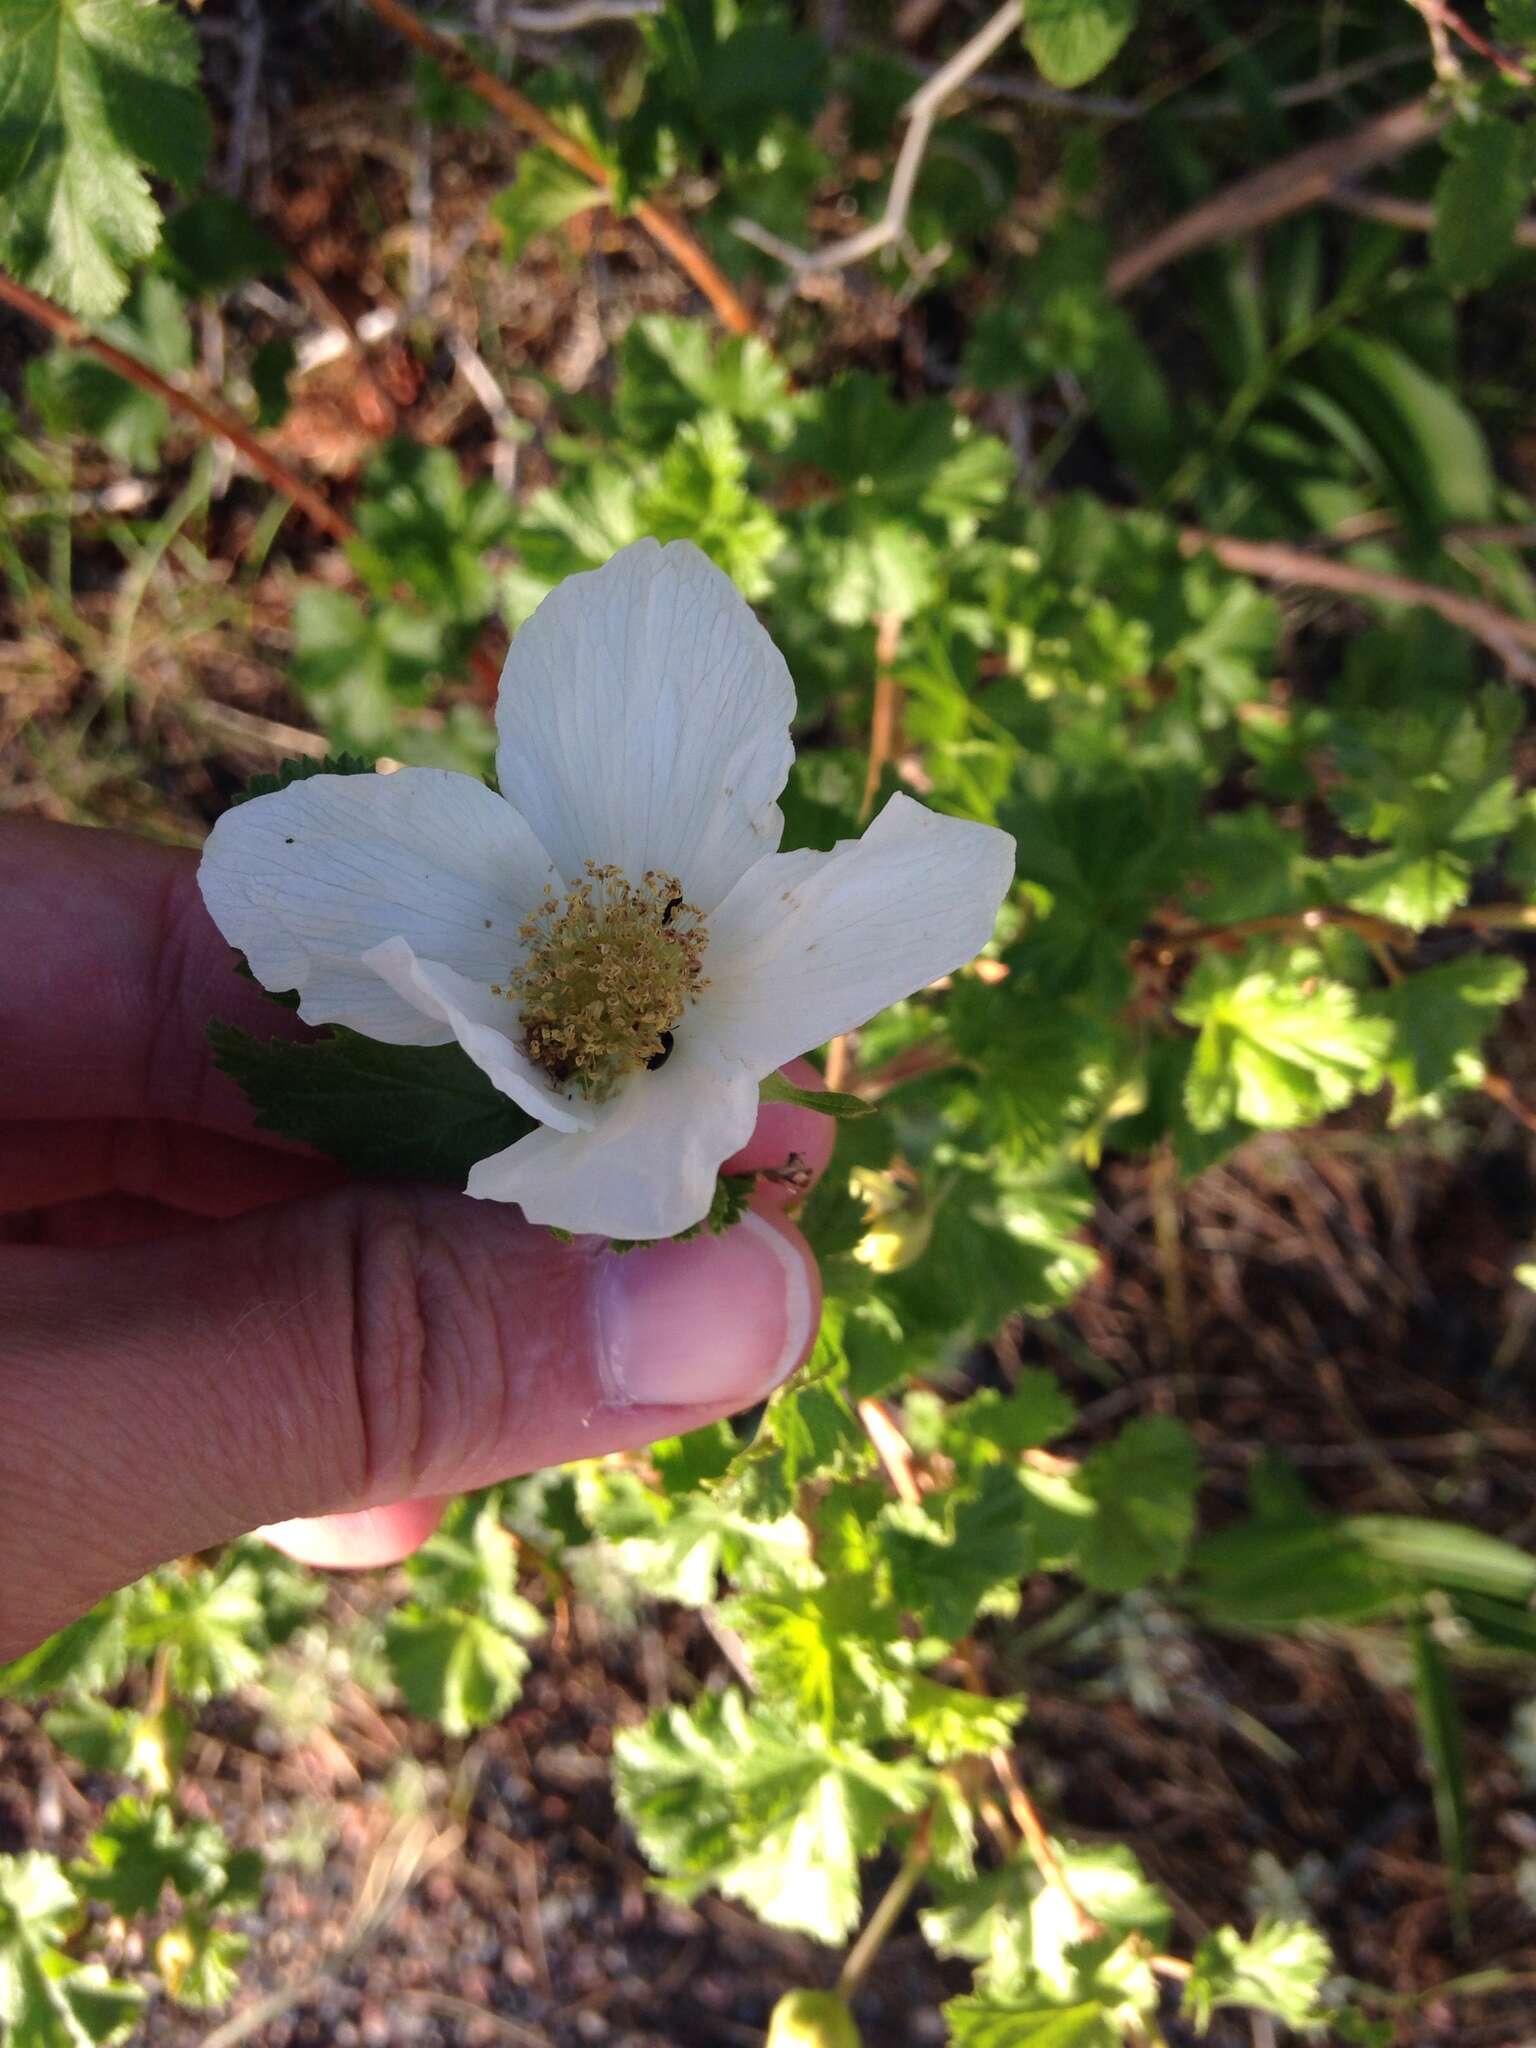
column 357, row 1349
column 114, row 969
column 205, row 1172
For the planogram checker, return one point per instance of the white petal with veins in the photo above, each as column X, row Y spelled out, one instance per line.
column 308, row 879
column 646, row 1168
column 810, row 944
column 644, row 721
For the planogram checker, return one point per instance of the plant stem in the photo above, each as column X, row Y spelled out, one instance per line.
column 1041, row 1848
column 1277, row 562
column 877, row 1929
column 664, row 228
column 214, row 419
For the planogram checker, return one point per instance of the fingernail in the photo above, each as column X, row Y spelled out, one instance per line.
column 718, row 1321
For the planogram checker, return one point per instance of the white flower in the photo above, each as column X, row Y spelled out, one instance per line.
column 613, row 939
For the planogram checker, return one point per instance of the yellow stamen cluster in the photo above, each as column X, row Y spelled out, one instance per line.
column 608, row 972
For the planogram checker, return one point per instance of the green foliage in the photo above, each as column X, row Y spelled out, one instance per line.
column 455, row 1647
column 1276, row 1048
column 1278, row 1970
column 544, row 195
column 1482, row 194
column 738, row 1798
column 1073, row 40
column 405, row 1112
column 96, row 94
column 76, row 394
column 48, row 2000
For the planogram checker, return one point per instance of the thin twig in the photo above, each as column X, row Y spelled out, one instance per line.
column 1041, row 1848
column 885, row 718
column 663, row 227
column 1035, row 92
column 1444, row 22
column 1277, row 562
column 559, row 21
column 922, row 110
column 214, row 419
column 1416, row 215
column 892, row 1449
column 1302, row 179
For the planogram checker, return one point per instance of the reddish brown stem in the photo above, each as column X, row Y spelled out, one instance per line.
column 1275, row 562
column 214, row 419
column 1301, row 179
column 663, row 227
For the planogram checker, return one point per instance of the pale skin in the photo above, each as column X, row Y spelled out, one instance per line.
column 204, row 1331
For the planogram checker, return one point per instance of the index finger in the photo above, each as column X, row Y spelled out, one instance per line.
column 112, row 972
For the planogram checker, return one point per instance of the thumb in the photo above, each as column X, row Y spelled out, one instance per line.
column 342, row 1353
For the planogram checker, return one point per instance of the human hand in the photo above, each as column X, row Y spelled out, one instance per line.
column 204, row 1330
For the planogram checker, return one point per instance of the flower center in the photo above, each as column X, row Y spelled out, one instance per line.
column 609, row 971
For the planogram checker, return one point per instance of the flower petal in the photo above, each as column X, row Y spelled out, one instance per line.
column 644, row 721
column 811, row 944
column 309, row 879
column 480, row 1022
column 646, row 1168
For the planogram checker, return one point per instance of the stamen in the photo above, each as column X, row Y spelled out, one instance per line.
column 608, row 972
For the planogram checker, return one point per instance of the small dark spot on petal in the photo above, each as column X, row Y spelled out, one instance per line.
column 287, row 842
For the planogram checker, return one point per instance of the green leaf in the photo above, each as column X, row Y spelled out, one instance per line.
column 677, row 1548
column 948, row 1553
column 820, row 1653
column 214, row 244
column 1073, row 40
column 471, row 1561
column 211, row 1624
column 1276, row 1050
column 672, row 370
column 1268, row 1575
column 1446, row 1554
column 545, row 194
column 91, row 1654
column 811, row 2019
column 47, row 2000
column 420, row 521
column 1280, row 1970
column 1415, row 889
column 1427, row 443
column 741, row 1799
column 272, row 364
column 356, row 666
column 985, row 2021
column 1479, row 202
column 1439, row 1720
column 139, row 1849
column 300, row 770
column 393, row 1111
column 825, row 1101
column 1440, row 1018
column 78, row 394
column 93, row 93
column 700, row 493
column 947, row 1724
column 455, row 1668
column 1143, row 1489
column 200, row 1962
